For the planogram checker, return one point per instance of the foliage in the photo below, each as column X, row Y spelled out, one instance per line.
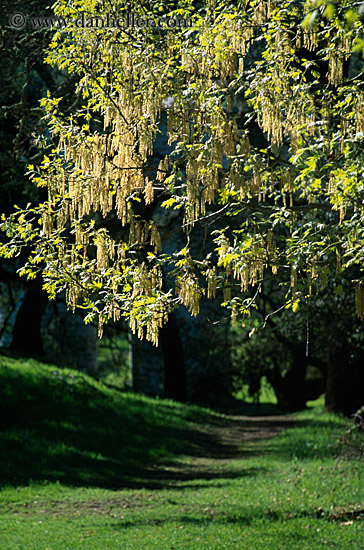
column 295, row 348
column 293, row 491
column 263, row 107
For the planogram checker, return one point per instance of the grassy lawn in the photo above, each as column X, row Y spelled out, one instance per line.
column 86, row 467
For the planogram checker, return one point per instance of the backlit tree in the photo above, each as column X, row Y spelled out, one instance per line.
column 261, row 107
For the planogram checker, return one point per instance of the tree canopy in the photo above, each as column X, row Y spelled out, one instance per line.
column 237, row 126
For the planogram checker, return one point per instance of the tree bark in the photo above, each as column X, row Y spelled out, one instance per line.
column 175, row 377
column 294, row 390
column 26, row 334
column 345, row 379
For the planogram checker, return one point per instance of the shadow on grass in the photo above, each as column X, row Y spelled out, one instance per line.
column 251, row 516
column 243, row 515
column 58, row 425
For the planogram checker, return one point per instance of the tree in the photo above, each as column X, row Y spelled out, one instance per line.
column 263, row 104
column 317, row 349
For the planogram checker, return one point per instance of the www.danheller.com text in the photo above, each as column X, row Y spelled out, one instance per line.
column 129, row 20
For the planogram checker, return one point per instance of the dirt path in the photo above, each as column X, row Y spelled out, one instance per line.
column 211, row 453
column 240, row 429
column 228, row 438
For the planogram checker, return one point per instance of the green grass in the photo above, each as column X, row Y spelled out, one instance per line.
column 86, row 467
column 113, row 359
column 265, row 396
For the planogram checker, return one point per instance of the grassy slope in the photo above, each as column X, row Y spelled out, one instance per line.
column 59, row 425
column 79, row 469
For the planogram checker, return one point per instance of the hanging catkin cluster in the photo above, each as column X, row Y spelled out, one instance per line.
column 250, row 269
column 262, row 11
column 212, row 282
column 310, row 39
column 300, row 115
column 246, row 266
column 359, row 300
column 108, row 166
column 270, row 117
column 146, row 283
column 336, row 67
column 188, row 289
column 359, row 112
column 272, row 252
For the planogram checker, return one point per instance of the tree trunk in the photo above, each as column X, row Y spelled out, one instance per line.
column 175, row 377
column 26, row 334
column 294, row 390
column 333, row 389
column 345, row 379
column 290, row 390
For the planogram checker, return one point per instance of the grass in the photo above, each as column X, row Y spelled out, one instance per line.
column 86, row 467
column 113, row 358
column 264, row 396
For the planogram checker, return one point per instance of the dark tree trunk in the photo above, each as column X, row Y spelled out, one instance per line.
column 345, row 379
column 294, row 389
column 290, row 389
column 175, row 378
column 334, row 381
column 26, row 333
